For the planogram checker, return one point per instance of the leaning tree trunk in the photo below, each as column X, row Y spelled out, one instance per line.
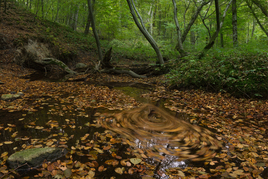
column 145, row 32
column 262, row 7
column 193, row 18
column 257, row 19
column 179, row 41
column 92, row 19
column 219, row 26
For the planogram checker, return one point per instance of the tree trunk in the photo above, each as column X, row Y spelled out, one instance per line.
column 42, row 6
column 262, row 7
column 151, row 14
column 234, row 23
column 222, row 40
column 75, row 18
column 144, row 31
column 204, row 17
column 179, row 46
column 192, row 38
column 253, row 27
column 92, row 19
column 87, row 25
column 193, row 18
column 257, row 19
column 57, row 13
column 219, row 26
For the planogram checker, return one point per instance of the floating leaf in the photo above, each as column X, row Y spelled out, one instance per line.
column 8, row 142
column 91, row 174
column 135, row 161
column 4, row 154
column 119, row 170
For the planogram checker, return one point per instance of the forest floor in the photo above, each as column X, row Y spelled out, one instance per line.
column 217, row 136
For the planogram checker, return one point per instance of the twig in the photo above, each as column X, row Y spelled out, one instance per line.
column 14, row 170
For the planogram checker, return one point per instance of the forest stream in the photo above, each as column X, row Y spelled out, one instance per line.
column 147, row 141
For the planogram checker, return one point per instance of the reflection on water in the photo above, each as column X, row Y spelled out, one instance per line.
column 160, row 133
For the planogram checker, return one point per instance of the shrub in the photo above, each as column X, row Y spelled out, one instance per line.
column 239, row 72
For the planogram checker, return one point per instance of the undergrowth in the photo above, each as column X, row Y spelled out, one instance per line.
column 242, row 71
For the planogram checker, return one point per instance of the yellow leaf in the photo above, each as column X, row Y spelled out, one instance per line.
column 135, row 160
column 4, row 154
column 119, row 170
column 8, row 142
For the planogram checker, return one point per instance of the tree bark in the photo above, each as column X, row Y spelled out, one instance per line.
column 234, row 23
column 57, row 13
column 253, row 28
column 144, row 31
column 193, row 18
column 53, row 61
column 257, row 19
column 262, row 7
column 219, row 26
column 179, row 46
column 92, row 19
column 204, row 17
column 87, row 25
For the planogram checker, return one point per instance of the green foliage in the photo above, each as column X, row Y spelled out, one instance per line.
column 242, row 72
column 138, row 50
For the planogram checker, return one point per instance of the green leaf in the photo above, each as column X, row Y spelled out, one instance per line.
column 135, row 161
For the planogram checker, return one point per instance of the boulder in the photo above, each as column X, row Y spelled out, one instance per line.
column 80, row 65
column 33, row 158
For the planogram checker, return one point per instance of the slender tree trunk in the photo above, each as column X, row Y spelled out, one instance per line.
column 179, row 45
column 193, row 18
column 222, row 40
column 184, row 14
column 151, row 14
column 42, row 6
column 262, row 7
column 219, row 26
column 253, row 27
column 234, row 23
column 92, row 19
column 257, row 19
column 87, row 25
column 144, row 31
column 204, row 17
column 57, row 13
column 37, row 8
column 75, row 18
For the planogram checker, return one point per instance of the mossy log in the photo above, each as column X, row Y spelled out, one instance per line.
column 53, row 61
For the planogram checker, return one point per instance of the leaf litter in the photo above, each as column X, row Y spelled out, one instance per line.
column 229, row 134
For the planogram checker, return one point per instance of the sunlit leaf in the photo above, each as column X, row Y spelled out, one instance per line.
column 119, row 170
column 4, row 154
column 8, row 142
column 135, row 161
column 91, row 173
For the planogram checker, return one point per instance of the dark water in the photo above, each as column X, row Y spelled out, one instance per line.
column 67, row 127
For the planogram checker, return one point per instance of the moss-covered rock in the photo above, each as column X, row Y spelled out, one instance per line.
column 32, row 158
column 7, row 97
